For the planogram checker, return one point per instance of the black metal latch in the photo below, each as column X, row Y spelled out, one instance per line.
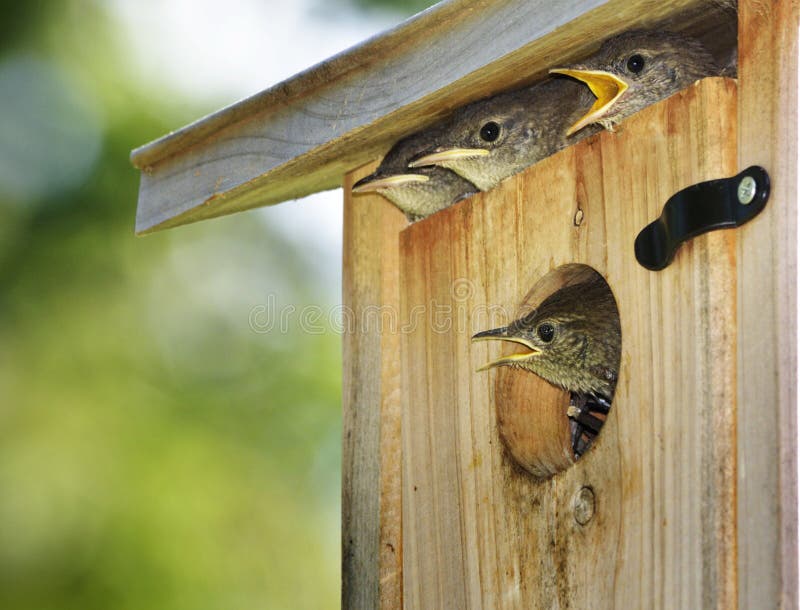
column 703, row 207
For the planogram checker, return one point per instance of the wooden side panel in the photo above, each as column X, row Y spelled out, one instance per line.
column 371, row 535
column 478, row 533
column 767, row 324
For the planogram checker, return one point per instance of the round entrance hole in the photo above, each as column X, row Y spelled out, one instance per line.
column 557, row 369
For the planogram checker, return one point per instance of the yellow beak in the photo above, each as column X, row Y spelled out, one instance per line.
column 368, row 186
column 501, row 334
column 442, row 156
column 606, row 87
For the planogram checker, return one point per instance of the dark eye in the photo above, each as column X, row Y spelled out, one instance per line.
column 490, row 131
column 635, row 63
column 546, row 332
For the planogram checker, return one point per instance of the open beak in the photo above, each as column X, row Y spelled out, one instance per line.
column 606, row 87
column 502, row 334
column 373, row 183
column 440, row 157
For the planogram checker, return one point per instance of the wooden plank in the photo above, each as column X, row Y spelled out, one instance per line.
column 767, row 323
column 304, row 134
column 371, row 542
column 478, row 532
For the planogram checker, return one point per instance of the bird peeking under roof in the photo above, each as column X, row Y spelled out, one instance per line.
column 636, row 69
column 491, row 139
column 573, row 341
column 418, row 192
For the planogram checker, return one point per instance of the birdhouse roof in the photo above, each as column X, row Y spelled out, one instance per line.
column 302, row 135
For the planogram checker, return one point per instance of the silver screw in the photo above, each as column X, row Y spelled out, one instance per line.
column 747, row 190
column 583, row 505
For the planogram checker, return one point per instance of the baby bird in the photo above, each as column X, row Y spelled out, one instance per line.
column 636, row 69
column 418, row 192
column 573, row 341
column 491, row 139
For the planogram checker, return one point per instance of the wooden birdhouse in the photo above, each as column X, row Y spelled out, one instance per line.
column 459, row 487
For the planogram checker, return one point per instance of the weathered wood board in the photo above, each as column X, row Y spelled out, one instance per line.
column 371, row 520
column 766, row 330
column 477, row 532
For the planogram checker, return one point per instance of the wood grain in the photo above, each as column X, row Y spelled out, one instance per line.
column 542, row 449
column 371, row 521
column 767, row 321
column 478, row 531
column 304, row 134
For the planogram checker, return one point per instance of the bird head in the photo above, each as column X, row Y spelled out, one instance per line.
column 486, row 141
column 636, row 69
column 572, row 339
column 489, row 140
column 418, row 192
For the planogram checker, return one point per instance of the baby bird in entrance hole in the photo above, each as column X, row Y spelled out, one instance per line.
column 636, row 69
column 418, row 192
column 491, row 139
column 572, row 340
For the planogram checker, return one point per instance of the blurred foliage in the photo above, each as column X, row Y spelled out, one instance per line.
column 403, row 7
column 155, row 451
column 409, row 7
column 22, row 19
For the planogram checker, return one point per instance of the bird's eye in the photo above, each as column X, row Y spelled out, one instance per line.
column 635, row 63
column 546, row 332
column 490, row 131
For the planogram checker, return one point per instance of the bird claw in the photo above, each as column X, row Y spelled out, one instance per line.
column 584, row 426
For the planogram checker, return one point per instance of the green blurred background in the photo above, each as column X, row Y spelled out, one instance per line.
column 155, row 450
